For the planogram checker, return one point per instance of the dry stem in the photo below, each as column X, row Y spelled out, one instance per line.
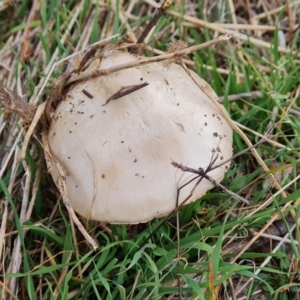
column 132, row 64
column 12, row 101
column 50, row 161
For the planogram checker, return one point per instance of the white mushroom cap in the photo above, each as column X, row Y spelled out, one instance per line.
column 117, row 158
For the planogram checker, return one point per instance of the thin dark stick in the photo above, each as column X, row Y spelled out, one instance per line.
column 160, row 12
column 12, row 101
column 203, row 173
column 125, row 90
column 87, row 56
column 148, row 60
column 91, row 53
column 87, row 94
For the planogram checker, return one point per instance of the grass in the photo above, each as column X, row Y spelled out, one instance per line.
column 227, row 250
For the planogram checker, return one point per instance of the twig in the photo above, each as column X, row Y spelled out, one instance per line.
column 203, row 173
column 85, row 92
column 136, row 63
column 52, row 65
column 10, row 100
column 135, row 284
column 161, row 11
column 91, row 53
column 87, row 56
column 125, row 90
column 250, row 95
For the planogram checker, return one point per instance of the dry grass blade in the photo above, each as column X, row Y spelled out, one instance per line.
column 33, row 124
column 4, row 209
column 63, row 191
column 13, row 102
column 201, row 172
column 145, row 61
column 238, row 36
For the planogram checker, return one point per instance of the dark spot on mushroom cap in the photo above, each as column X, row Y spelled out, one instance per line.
column 215, row 134
column 221, row 157
column 141, row 78
column 205, row 124
column 69, row 157
column 103, row 176
column 135, row 160
column 122, row 142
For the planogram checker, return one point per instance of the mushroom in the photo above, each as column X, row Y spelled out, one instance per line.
column 116, row 135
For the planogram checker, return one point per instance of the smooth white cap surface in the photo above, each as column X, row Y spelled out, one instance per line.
column 117, row 158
